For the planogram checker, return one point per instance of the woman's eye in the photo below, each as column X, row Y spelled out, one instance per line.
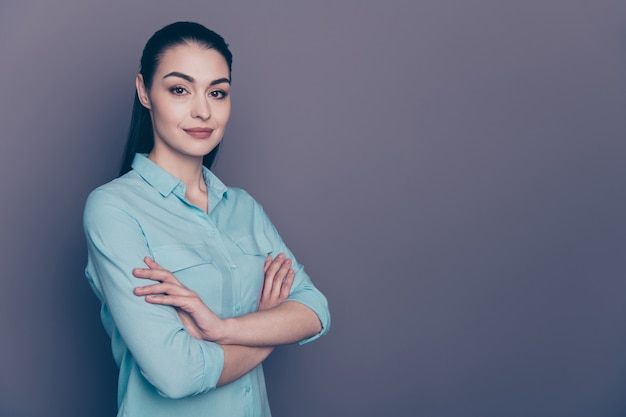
column 179, row 91
column 218, row 94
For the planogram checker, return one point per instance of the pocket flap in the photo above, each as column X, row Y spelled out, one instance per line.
column 179, row 257
column 254, row 245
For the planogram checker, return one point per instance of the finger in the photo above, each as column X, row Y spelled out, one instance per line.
column 149, row 289
column 285, row 289
column 277, row 261
column 279, row 277
column 162, row 275
column 146, row 273
column 275, row 265
column 164, row 288
column 271, row 285
column 268, row 262
column 182, row 302
column 270, row 272
column 152, row 264
column 191, row 305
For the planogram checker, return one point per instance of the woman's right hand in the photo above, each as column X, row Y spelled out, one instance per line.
column 199, row 320
column 278, row 278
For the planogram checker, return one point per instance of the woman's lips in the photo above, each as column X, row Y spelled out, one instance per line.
column 199, row 132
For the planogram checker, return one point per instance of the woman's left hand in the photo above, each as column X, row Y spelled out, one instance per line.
column 199, row 320
column 277, row 281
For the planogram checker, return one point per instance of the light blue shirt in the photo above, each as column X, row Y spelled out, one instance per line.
column 220, row 255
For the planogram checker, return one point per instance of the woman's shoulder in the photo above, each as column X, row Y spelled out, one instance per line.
column 230, row 192
column 241, row 197
column 239, row 193
column 117, row 192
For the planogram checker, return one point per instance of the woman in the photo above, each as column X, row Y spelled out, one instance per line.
column 196, row 285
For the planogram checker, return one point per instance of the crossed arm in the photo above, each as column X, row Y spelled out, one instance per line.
column 246, row 340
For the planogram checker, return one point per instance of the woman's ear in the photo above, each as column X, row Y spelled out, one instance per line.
column 142, row 92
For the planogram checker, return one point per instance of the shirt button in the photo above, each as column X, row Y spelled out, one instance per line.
column 233, row 267
column 237, row 309
column 247, row 390
column 212, row 233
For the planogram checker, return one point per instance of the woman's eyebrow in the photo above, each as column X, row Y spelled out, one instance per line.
column 219, row 81
column 180, row 75
column 192, row 80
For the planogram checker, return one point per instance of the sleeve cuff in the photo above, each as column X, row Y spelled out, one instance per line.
column 213, row 355
column 316, row 302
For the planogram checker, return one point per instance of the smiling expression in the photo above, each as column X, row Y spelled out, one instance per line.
column 189, row 102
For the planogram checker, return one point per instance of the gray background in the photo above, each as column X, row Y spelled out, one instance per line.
column 450, row 172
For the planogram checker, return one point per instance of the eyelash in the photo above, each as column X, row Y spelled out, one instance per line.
column 222, row 94
column 178, row 91
column 217, row 94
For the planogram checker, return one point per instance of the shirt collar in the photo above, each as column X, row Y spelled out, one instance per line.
column 165, row 183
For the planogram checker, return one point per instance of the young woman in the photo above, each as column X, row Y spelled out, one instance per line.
column 196, row 285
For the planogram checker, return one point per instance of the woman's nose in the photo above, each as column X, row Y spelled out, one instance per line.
column 201, row 108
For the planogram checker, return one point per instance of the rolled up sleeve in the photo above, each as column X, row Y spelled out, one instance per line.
column 302, row 290
column 175, row 363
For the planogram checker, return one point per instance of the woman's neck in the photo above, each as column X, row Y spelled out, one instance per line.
column 189, row 171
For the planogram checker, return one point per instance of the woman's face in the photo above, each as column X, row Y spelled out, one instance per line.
column 189, row 102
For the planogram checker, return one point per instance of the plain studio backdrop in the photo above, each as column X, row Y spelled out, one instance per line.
column 451, row 174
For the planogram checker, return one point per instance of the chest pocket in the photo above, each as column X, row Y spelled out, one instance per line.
column 249, row 252
column 193, row 266
column 254, row 245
